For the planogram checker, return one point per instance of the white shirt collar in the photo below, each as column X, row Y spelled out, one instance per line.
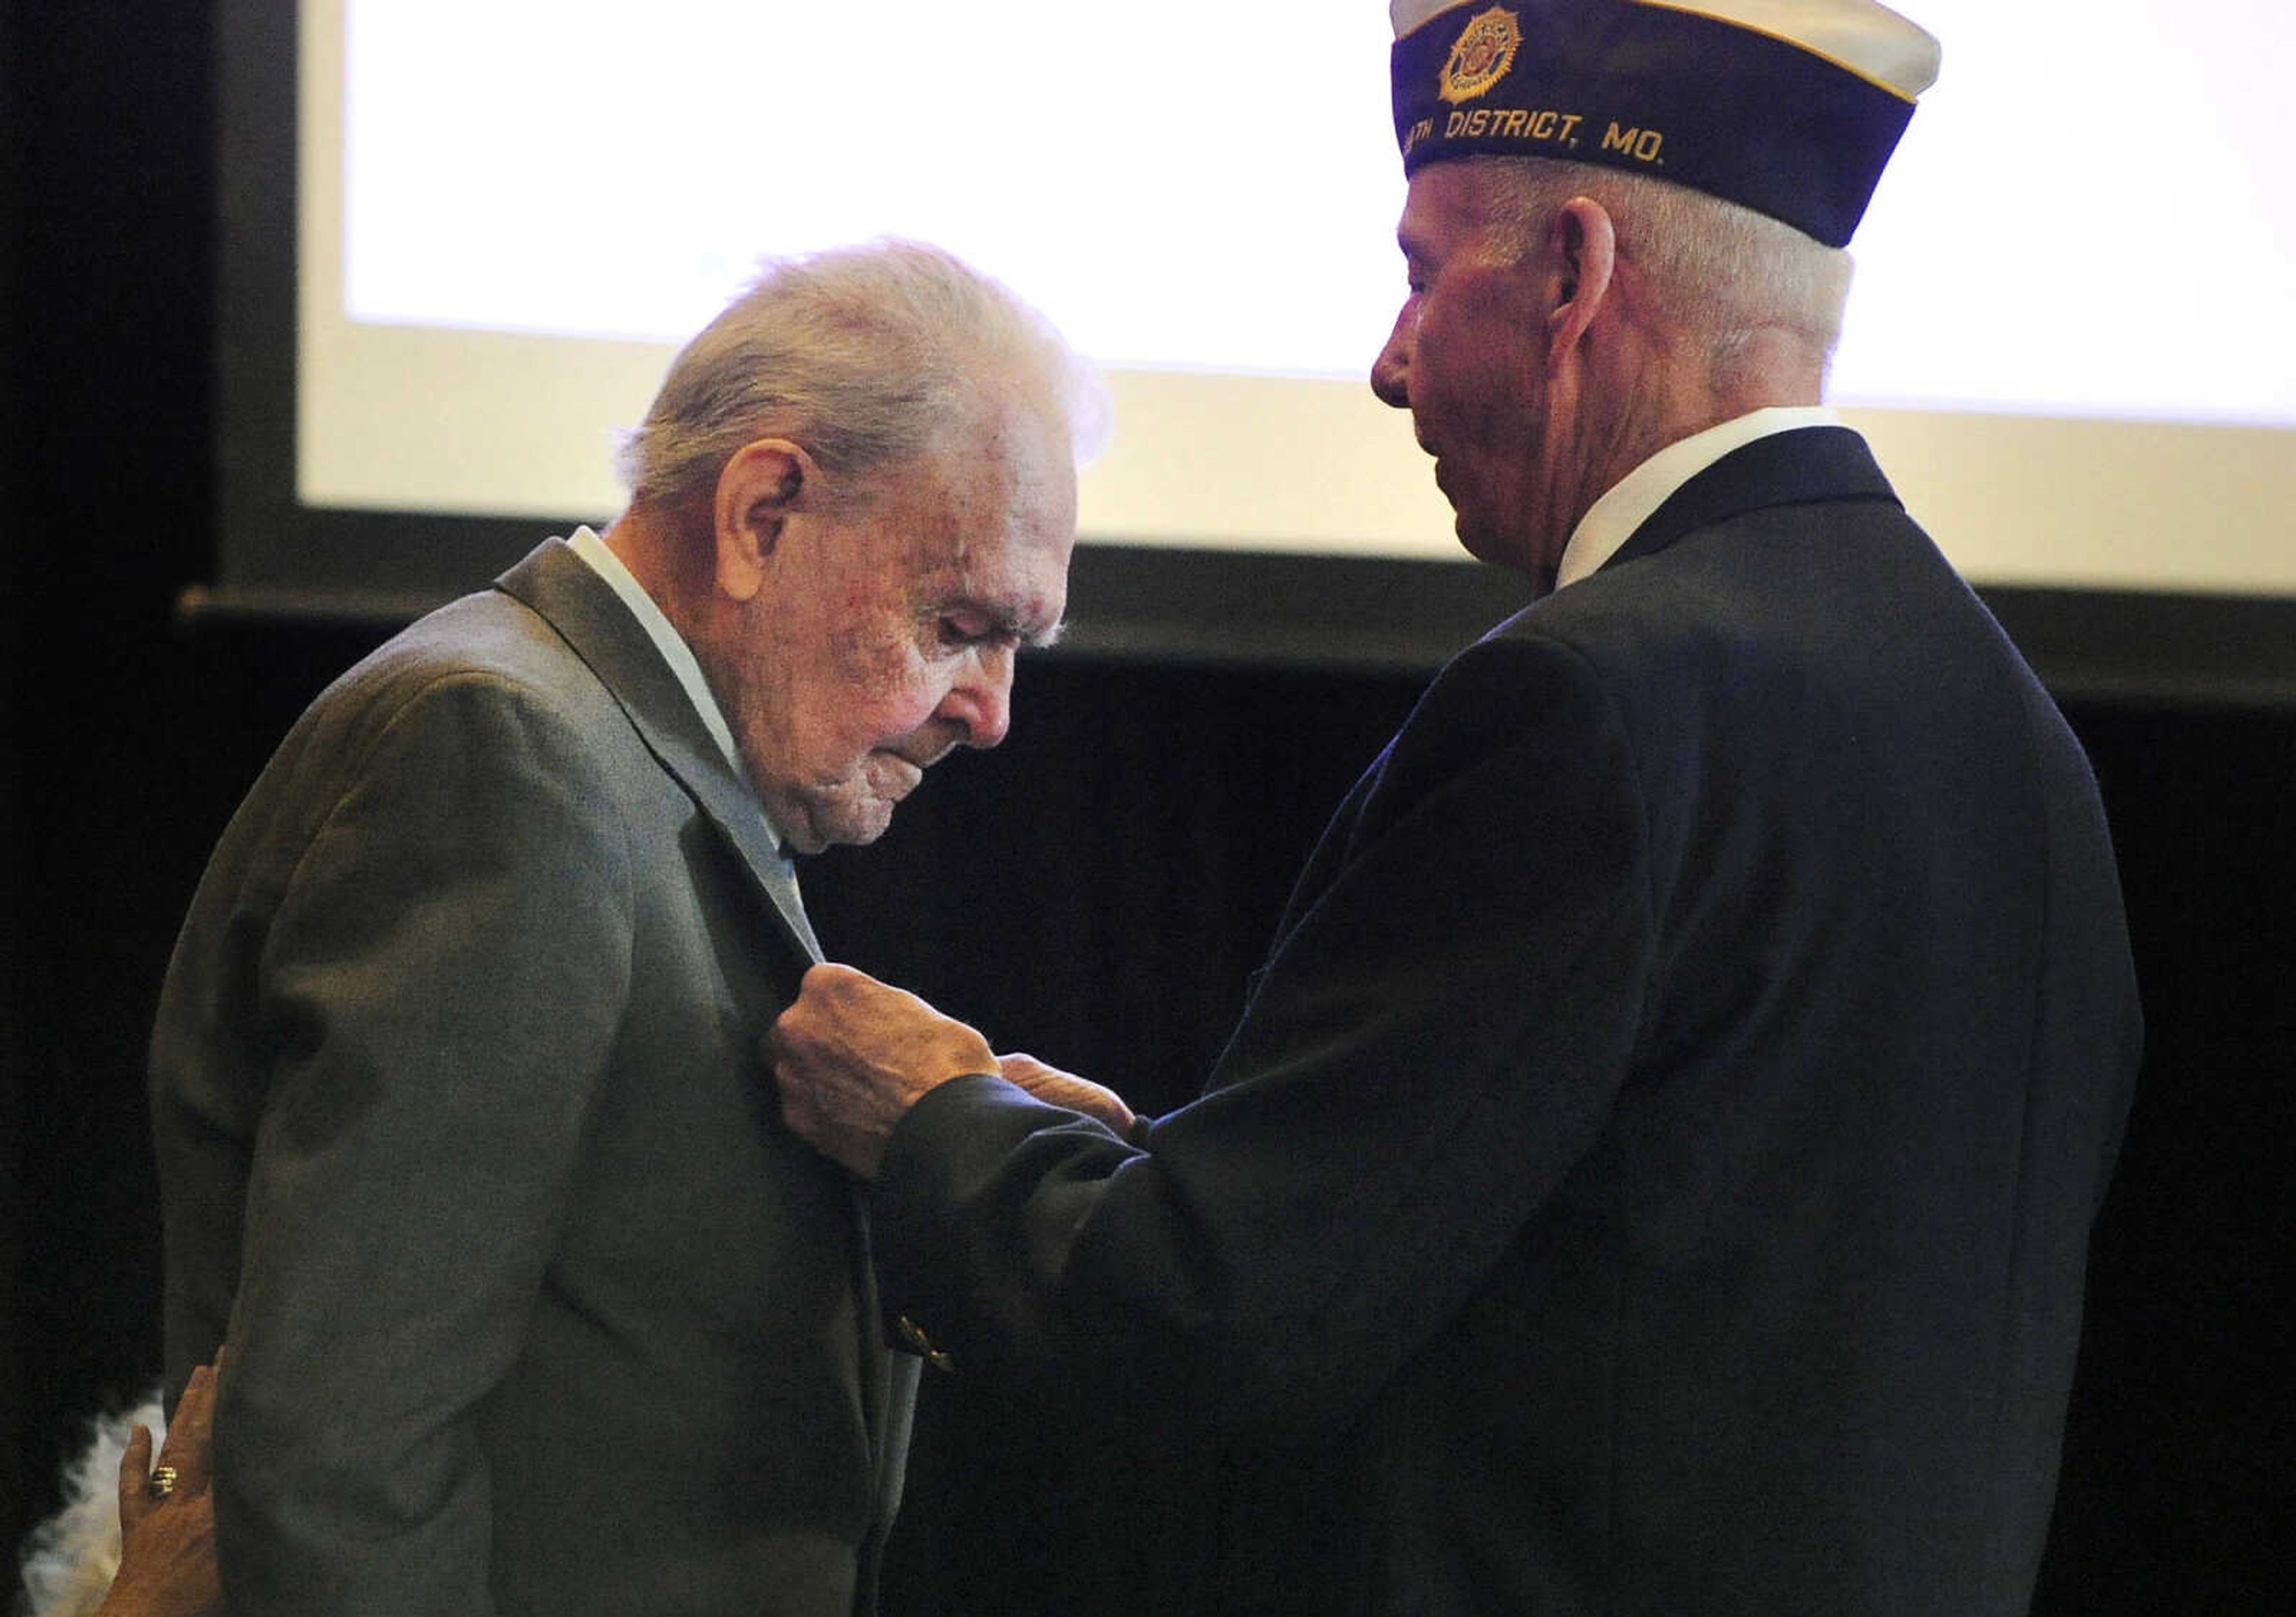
column 671, row 644
column 1612, row 520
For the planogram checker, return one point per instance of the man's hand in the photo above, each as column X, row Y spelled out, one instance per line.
column 168, row 1555
column 1055, row 1087
column 852, row 1055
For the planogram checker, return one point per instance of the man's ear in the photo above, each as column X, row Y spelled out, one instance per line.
column 1583, row 247
column 765, row 484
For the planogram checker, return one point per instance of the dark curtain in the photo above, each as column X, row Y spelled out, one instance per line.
column 105, row 218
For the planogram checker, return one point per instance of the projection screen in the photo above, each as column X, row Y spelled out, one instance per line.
column 464, row 237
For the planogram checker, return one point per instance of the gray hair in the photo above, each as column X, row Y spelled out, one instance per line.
column 1721, row 271
column 869, row 357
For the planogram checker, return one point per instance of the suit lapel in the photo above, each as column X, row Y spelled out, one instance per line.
column 583, row 607
column 1807, row 464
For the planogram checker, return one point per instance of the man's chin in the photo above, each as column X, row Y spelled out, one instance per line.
column 850, row 824
column 1495, row 543
column 868, row 829
column 1475, row 537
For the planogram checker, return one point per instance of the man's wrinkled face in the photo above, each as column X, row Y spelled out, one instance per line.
column 1466, row 358
column 887, row 631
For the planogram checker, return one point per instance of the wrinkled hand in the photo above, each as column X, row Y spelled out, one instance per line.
column 167, row 1545
column 852, row 1055
column 1055, row 1087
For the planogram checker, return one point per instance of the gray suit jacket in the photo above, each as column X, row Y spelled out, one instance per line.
column 468, row 1147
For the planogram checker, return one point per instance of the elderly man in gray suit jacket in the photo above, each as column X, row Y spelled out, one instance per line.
column 533, row 1304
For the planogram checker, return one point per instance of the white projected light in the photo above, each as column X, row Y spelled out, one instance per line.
column 513, row 210
column 1072, row 153
column 2076, row 160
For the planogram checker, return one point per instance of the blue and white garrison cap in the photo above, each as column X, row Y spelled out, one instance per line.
column 1788, row 107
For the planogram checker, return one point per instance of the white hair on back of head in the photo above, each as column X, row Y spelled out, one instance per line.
column 1721, row 271
column 870, row 358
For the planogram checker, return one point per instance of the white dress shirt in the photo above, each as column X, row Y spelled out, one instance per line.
column 675, row 651
column 1612, row 520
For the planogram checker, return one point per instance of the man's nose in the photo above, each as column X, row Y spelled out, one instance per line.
column 1390, row 372
column 980, row 701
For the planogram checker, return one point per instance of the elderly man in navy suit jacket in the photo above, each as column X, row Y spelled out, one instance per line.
column 1653, row 1171
column 465, row 1137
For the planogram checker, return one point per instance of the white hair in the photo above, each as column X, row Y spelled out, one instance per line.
column 870, row 358
column 1721, row 271
column 70, row 1559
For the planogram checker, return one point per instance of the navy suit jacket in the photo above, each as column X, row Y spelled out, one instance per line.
column 1653, row 1171
column 466, row 1142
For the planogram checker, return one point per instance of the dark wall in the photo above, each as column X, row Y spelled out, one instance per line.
column 1094, row 891
column 107, row 490
column 15, row 1052
column 2180, row 1465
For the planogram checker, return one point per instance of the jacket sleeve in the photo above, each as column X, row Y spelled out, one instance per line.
column 434, row 1002
column 1436, row 1039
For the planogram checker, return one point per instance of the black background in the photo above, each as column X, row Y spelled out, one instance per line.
column 1094, row 891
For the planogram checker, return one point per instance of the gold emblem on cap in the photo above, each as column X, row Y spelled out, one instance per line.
column 1481, row 58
